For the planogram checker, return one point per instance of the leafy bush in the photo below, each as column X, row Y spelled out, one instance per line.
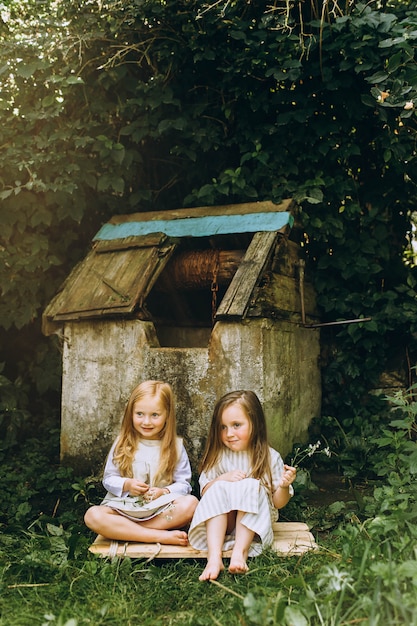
column 394, row 503
column 34, row 485
column 13, row 412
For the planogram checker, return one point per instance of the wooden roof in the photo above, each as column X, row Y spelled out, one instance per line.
column 202, row 221
column 130, row 252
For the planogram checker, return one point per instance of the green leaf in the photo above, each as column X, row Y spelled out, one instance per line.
column 314, row 196
column 293, row 616
column 394, row 62
column 49, row 100
column 391, row 42
column 74, row 80
column 26, row 69
column 378, row 77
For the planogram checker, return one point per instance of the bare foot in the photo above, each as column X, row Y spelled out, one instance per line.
column 212, row 570
column 173, row 537
column 238, row 565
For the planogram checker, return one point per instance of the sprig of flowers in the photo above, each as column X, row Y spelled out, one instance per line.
column 301, row 454
column 138, row 501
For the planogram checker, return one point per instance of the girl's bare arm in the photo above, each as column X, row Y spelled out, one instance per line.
column 231, row 477
column 282, row 494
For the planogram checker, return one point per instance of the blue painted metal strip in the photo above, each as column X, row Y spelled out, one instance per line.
column 199, row 226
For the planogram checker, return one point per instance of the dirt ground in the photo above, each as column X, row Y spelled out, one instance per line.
column 330, row 488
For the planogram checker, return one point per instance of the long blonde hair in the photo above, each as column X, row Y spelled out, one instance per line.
column 129, row 438
column 258, row 442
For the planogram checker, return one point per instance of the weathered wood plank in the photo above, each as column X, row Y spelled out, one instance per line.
column 237, row 298
column 145, row 241
column 229, row 209
column 203, row 226
column 286, row 258
column 281, row 293
column 49, row 325
column 290, row 538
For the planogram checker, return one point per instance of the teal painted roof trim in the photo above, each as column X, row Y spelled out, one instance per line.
column 199, row 226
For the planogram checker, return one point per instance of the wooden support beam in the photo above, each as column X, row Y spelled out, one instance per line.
column 238, row 296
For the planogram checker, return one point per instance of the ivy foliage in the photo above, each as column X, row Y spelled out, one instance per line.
column 114, row 107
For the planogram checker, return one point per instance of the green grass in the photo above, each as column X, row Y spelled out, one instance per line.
column 39, row 587
column 353, row 579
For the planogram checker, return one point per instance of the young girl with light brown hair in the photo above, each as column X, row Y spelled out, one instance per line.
column 243, row 482
column 147, row 474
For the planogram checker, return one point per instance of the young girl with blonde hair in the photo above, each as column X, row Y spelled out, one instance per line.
column 147, row 474
column 243, row 483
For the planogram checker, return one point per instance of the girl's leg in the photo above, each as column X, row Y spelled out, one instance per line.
column 105, row 521
column 244, row 538
column 216, row 531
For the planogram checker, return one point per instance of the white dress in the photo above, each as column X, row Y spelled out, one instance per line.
column 248, row 495
column 145, row 466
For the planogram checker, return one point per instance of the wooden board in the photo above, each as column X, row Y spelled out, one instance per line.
column 281, row 293
column 237, row 298
column 290, row 538
column 245, row 208
column 202, row 226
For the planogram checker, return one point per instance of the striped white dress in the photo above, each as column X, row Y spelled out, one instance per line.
column 248, row 495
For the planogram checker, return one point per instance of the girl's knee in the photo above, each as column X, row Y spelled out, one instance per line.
column 192, row 503
column 91, row 516
column 187, row 505
column 195, row 502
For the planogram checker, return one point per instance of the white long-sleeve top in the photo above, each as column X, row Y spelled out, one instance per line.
column 145, row 465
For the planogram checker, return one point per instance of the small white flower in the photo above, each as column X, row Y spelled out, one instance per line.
column 309, row 451
column 334, row 580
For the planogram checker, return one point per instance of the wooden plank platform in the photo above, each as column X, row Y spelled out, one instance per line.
column 290, row 538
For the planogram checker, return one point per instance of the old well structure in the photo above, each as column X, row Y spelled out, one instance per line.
column 211, row 300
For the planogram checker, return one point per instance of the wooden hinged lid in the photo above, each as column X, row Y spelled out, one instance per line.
column 114, row 278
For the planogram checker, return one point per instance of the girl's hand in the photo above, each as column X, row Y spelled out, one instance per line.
column 135, row 487
column 155, row 492
column 288, row 476
column 233, row 476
